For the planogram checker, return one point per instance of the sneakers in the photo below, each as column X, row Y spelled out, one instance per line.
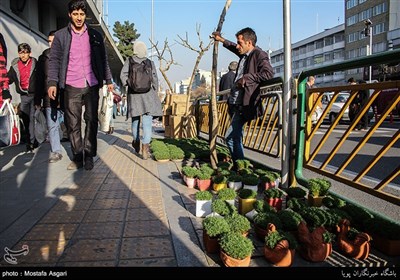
column 55, row 157
column 74, row 165
column 89, row 163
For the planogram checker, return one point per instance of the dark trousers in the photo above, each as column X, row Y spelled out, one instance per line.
column 74, row 99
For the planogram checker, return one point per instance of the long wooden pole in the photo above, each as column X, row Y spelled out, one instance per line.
column 213, row 115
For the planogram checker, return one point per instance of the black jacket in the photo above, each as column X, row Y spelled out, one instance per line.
column 42, row 67
column 59, row 57
column 257, row 69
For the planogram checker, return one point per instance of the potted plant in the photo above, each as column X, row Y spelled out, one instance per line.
column 295, row 192
column 189, row 175
column 250, row 181
column 352, row 243
column 161, row 155
column 203, row 180
column 235, row 182
column 290, row 219
column 261, row 221
column 260, row 206
column 213, row 228
column 267, row 180
column 236, row 250
column 176, row 153
column 224, row 165
column 315, row 245
column 318, row 188
column 219, row 182
column 247, row 198
column 238, row 223
column 385, row 235
column 296, row 204
column 203, row 203
column 279, row 248
column 228, row 195
column 243, row 164
column 274, row 197
column 222, row 207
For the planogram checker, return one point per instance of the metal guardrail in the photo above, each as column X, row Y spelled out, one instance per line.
column 337, row 159
column 263, row 134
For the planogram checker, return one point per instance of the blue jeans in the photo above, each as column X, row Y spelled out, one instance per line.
column 234, row 136
column 147, row 122
column 54, row 131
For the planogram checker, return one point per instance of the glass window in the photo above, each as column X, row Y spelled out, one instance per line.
column 319, row 44
column 351, row 3
column 339, row 37
column 318, row 59
column 310, row 47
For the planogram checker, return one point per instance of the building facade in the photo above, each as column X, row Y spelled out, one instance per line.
column 318, row 50
column 347, row 41
column 382, row 17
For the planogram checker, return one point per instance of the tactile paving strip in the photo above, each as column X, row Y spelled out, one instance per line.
column 71, row 203
column 51, row 232
column 113, row 194
column 61, row 217
column 91, row 250
column 88, row 264
column 99, row 230
column 153, row 262
column 145, row 228
column 109, row 203
column 108, row 215
column 146, row 247
column 144, row 213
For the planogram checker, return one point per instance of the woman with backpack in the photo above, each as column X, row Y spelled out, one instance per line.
column 140, row 75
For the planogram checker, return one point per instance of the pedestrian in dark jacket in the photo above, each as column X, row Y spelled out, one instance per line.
column 78, row 65
column 227, row 80
column 23, row 73
column 51, row 107
column 244, row 101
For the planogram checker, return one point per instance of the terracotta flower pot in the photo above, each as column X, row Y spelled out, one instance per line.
column 210, row 243
column 231, row 262
column 278, row 257
column 203, row 185
column 274, row 202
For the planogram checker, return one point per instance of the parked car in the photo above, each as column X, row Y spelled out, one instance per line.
column 338, row 105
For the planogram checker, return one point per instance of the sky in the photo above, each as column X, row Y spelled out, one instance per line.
column 180, row 17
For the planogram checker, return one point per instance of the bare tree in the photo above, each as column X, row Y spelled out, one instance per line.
column 213, row 102
column 200, row 52
column 162, row 58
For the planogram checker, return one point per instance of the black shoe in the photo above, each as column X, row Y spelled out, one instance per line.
column 136, row 146
column 89, row 164
column 35, row 144
column 64, row 140
column 29, row 148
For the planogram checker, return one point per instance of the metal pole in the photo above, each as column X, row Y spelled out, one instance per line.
column 152, row 29
column 370, row 51
column 287, row 81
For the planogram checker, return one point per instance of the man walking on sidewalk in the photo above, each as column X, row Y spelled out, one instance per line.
column 78, row 65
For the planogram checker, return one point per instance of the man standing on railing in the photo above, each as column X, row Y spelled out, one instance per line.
column 244, row 101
